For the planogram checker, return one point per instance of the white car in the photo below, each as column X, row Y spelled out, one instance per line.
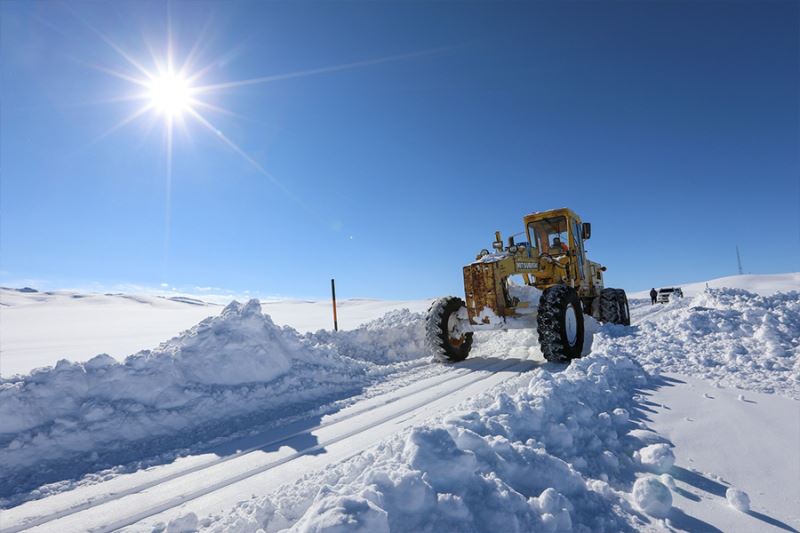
column 668, row 294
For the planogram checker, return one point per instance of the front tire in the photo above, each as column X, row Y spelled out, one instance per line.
column 624, row 308
column 560, row 324
column 442, row 337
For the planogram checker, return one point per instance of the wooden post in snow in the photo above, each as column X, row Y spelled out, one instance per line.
column 333, row 295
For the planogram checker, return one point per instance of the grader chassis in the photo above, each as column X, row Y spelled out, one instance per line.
column 546, row 283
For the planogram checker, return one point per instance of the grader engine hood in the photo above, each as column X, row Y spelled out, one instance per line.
column 484, row 292
column 485, row 288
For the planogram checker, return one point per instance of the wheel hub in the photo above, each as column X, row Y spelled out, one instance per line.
column 571, row 325
column 455, row 336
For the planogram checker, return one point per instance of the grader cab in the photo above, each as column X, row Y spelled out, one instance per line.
column 545, row 282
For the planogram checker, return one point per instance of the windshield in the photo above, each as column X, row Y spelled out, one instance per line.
column 549, row 235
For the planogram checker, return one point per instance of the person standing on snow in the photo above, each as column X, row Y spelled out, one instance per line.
column 653, row 295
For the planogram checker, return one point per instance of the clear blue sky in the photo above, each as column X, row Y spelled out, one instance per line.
column 671, row 126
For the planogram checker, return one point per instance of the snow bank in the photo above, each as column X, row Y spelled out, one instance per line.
column 397, row 336
column 226, row 366
column 547, row 451
column 729, row 336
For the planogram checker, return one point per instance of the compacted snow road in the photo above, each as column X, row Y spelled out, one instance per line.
column 216, row 480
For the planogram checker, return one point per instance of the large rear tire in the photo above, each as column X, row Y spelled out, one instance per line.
column 444, row 341
column 624, row 308
column 560, row 324
column 609, row 306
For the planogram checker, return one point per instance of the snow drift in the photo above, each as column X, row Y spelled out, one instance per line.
column 728, row 336
column 228, row 366
column 396, row 336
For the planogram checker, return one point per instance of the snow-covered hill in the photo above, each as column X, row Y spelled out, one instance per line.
column 686, row 420
column 763, row 284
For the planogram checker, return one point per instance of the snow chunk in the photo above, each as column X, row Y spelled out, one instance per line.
column 435, row 452
column 555, row 510
column 100, row 361
column 652, row 496
column 187, row 523
column 738, row 499
column 657, row 458
column 667, row 480
column 332, row 513
column 524, row 293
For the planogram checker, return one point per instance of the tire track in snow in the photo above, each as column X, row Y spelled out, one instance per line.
column 179, row 500
column 115, row 495
column 494, row 366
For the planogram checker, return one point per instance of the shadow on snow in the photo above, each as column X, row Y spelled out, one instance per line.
column 678, row 518
column 267, row 431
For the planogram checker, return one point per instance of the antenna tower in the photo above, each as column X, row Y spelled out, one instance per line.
column 739, row 260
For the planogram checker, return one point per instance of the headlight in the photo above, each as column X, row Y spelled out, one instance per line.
column 513, row 249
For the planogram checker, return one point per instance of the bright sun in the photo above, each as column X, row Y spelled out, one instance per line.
column 170, row 93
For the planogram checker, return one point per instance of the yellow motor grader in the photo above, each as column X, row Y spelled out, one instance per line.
column 546, row 283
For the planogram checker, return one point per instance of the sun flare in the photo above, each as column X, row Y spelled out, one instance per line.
column 173, row 92
column 170, row 93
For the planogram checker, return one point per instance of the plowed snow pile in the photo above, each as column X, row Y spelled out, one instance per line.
column 236, row 364
column 548, row 451
column 728, row 336
column 396, row 336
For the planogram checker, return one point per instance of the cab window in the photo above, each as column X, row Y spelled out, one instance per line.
column 577, row 236
column 550, row 235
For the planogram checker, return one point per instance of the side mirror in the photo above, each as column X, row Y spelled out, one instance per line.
column 587, row 230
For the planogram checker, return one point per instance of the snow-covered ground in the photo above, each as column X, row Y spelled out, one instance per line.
column 727, row 437
column 687, row 420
